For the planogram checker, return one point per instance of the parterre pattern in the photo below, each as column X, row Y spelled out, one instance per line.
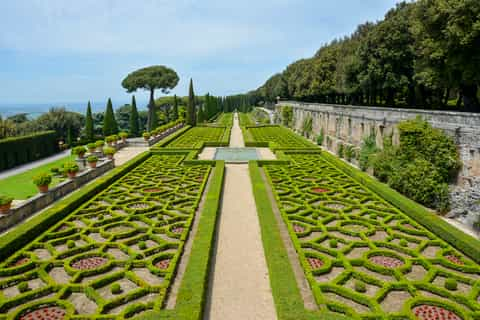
column 112, row 257
column 279, row 136
column 362, row 256
column 196, row 136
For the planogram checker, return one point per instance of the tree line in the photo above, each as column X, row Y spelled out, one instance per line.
column 422, row 54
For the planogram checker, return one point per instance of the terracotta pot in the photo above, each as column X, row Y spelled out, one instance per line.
column 80, row 155
column 92, row 150
column 72, row 175
column 92, row 165
column 43, row 189
column 124, row 140
column 5, row 207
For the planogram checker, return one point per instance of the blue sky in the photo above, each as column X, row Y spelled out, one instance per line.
column 57, row 51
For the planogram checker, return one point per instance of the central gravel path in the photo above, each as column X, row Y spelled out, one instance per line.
column 240, row 288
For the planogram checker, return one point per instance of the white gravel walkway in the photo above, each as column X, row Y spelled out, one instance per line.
column 240, row 288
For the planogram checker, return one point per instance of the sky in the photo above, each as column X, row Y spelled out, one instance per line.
column 73, row 51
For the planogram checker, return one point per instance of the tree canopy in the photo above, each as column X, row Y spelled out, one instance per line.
column 424, row 53
column 150, row 79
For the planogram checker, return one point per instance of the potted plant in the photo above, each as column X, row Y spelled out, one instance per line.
column 42, row 181
column 99, row 144
column 109, row 152
column 115, row 139
column 92, row 161
column 110, row 140
column 79, row 151
column 71, row 169
column 5, row 203
column 124, row 136
column 146, row 136
column 92, row 147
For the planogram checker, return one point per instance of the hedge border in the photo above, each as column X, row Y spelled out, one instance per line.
column 458, row 239
column 288, row 300
column 192, row 294
column 19, row 236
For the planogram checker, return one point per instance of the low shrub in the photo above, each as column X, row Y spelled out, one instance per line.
column 23, row 287
column 70, row 244
column 349, row 153
column 92, row 146
column 451, row 284
column 99, row 143
column 42, row 179
column 109, row 151
column 123, row 135
column 403, row 243
column 320, row 137
column 360, row 286
column 116, row 289
column 340, row 150
column 142, row 245
column 333, row 243
column 55, row 170
column 4, row 200
column 367, row 152
column 146, row 135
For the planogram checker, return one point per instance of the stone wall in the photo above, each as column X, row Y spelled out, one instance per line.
column 42, row 200
column 349, row 124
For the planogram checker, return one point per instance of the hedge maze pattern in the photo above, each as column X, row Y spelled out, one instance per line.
column 365, row 258
column 113, row 257
column 196, row 136
column 280, row 137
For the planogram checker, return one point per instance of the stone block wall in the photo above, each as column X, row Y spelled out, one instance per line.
column 349, row 124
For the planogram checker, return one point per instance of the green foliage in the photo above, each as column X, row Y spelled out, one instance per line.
column 403, row 243
column 109, row 151
column 146, row 135
column 5, row 199
column 451, row 284
column 79, row 151
column 367, row 152
column 70, row 167
column 109, row 123
column 17, row 151
column 333, row 243
column 142, row 245
column 423, row 53
column 198, row 136
column 99, row 143
column 360, row 286
column 23, row 287
column 349, row 152
column 92, row 159
column 43, row 179
column 134, row 123
column 321, row 137
column 92, row 146
column 307, row 126
column 191, row 106
column 115, row 288
column 89, row 134
column 123, row 135
column 175, row 108
column 340, row 149
column 287, row 116
column 70, row 244
column 419, row 180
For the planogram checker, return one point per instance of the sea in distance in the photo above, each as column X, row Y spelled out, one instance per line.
column 33, row 110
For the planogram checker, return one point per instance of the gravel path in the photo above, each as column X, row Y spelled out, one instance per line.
column 240, row 286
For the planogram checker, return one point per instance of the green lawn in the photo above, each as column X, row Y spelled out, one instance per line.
column 21, row 187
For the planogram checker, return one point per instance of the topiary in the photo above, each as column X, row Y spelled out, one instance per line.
column 4, row 200
column 109, row 151
column 23, row 287
column 116, row 289
column 91, row 159
column 91, row 146
column 451, row 284
column 333, row 243
column 403, row 243
column 70, row 167
column 99, row 143
column 360, row 286
column 142, row 245
column 70, row 244
column 79, row 151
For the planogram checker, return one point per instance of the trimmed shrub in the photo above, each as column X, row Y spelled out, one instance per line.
column 116, row 289
column 333, row 243
column 20, row 150
column 360, row 286
column 451, row 284
column 23, row 287
column 5, row 200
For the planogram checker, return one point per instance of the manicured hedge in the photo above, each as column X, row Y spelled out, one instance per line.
column 20, row 150
column 24, row 233
column 192, row 294
column 460, row 240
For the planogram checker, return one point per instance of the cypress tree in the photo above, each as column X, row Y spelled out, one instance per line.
column 175, row 108
column 134, row 125
column 89, row 123
column 191, row 112
column 201, row 115
column 69, row 137
column 109, row 123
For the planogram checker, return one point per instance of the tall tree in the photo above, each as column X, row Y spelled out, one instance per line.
column 191, row 108
column 134, row 121
column 201, row 115
column 109, row 123
column 175, row 109
column 151, row 78
column 89, row 123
